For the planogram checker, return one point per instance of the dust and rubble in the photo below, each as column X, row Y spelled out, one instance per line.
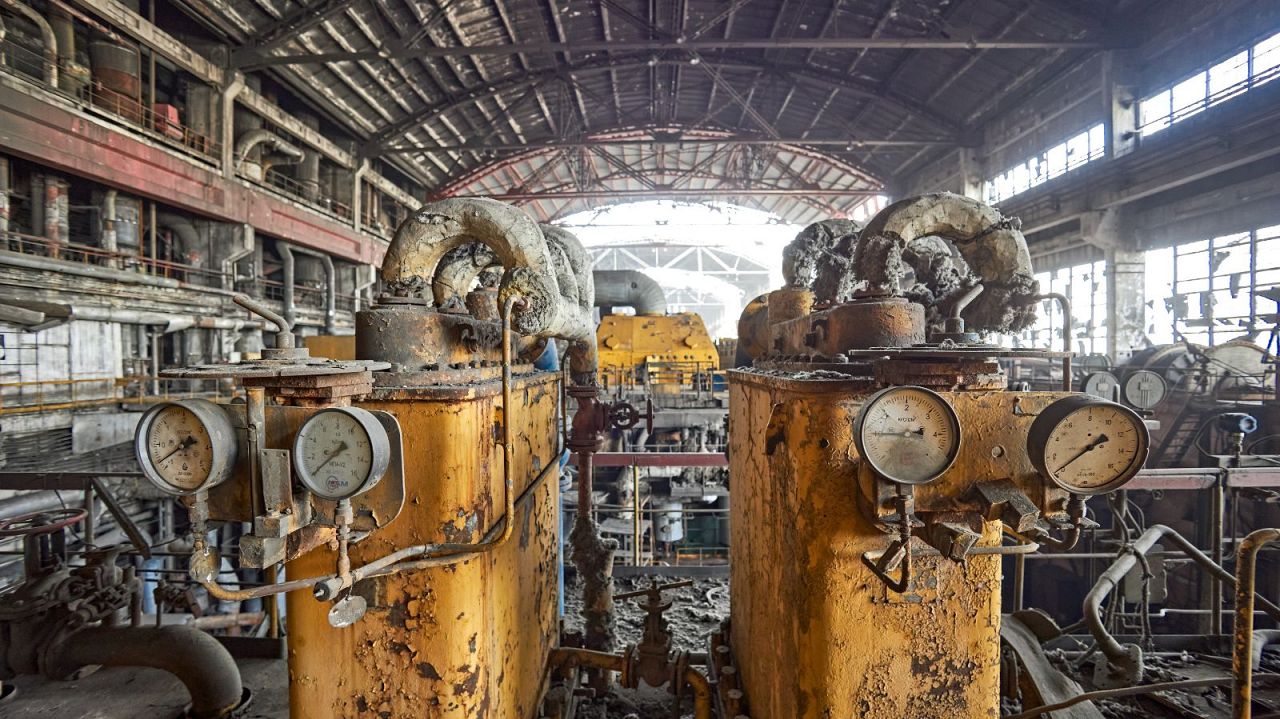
column 696, row 611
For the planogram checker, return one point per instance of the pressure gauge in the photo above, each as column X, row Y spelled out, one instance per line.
column 908, row 434
column 1101, row 385
column 186, row 446
column 341, row 452
column 1144, row 389
column 1087, row 445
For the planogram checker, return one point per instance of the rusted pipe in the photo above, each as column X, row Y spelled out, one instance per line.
column 1111, row 578
column 50, row 41
column 562, row 658
column 697, row 681
column 1242, row 657
column 198, row 660
column 1065, row 305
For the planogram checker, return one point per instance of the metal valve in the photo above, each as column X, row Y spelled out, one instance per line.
column 624, row 415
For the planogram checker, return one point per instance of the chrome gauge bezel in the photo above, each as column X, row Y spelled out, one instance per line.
column 222, row 438
column 1051, row 417
column 380, row 452
column 949, row 415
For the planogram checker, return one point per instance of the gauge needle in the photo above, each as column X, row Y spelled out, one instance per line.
column 1102, row 438
column 181, row 446
column 342, row 447
column 903, row 433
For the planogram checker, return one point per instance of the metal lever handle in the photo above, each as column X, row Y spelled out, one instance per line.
column 284, row 333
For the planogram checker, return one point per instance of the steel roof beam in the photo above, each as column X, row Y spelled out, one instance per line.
column 834, row 43
column 665, row 193
column 840, row 142
column 518, row 82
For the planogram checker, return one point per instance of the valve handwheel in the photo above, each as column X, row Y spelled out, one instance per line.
column 45, row 522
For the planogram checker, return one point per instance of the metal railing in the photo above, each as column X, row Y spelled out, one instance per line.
column 49, row 395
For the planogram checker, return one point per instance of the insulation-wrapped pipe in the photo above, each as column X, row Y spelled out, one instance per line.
column 820, row 257
column 457, row 272
column 422, row 242
column 992, row 246
column 330, row 287
column 202, row 664
column 252, row 139
column 629, row 288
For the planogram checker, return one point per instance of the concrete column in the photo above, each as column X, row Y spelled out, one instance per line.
column 1126, row 302
column 1112, row 230
column 228, row 124
column 972, row 174
column 1120, row 104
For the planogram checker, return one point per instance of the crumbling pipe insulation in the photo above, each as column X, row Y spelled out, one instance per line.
column 198, row 660
column 991, row 245
column 457, row 272
column 422, row 241
column 49, row 40
column 121, row 315
column 629, row 288
column 819, row 255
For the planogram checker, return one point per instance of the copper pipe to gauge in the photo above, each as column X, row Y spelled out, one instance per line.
column 1065, row 304
column 1242, row 656
column 424, row 555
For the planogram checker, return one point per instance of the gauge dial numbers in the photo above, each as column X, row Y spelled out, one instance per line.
column 1088, row 446
column 341, row 452
column 184, row 447
column 909, row 435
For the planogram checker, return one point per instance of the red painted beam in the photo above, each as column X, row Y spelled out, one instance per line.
column 660, row 459
column 67, row 141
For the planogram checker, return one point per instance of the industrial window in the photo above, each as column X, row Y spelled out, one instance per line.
column 1086, row 286
column 1204, row 291
column 1233, row 76
column 1054, row 162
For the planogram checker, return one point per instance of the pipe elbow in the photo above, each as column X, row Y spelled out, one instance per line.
column 422, row 241
column 251, row 139
column 629, row 288
column 198, row 660
column 992, row 246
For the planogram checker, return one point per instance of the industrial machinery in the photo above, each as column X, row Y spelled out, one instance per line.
column 406, row 501
column 662, row 373
column 879, row 464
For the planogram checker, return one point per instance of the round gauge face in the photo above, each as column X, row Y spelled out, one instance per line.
column 1144, row 389
column 1092, row 447
column 340, row 452
column 184, row 447
column 908, row 434
column 1101, row 384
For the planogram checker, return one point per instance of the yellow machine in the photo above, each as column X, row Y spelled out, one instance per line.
column 411, row 495
column 877, row 476
column 654, row 350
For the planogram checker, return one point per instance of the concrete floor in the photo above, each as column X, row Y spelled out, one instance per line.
column 129, row 693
